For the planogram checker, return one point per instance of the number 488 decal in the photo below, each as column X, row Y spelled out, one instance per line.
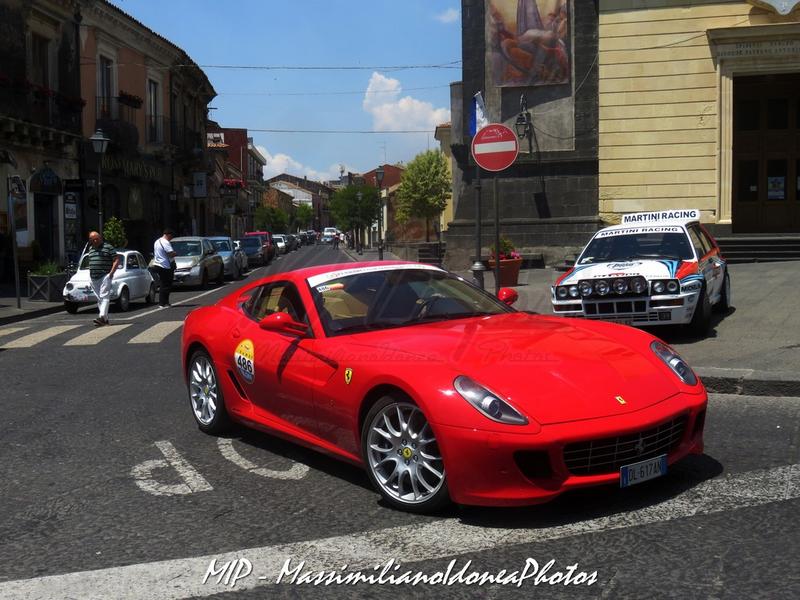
column 245, row 360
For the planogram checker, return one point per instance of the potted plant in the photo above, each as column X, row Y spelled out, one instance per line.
column 131, row 100
column 510, row 262
column 46, row 282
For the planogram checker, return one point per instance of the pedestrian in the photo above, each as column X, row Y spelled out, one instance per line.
column 164, row 257
column 336, row 240
column 103, row 261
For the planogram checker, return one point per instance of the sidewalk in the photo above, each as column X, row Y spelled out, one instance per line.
column 9, row 313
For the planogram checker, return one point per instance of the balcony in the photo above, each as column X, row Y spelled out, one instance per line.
column 118, row 121
column 39, row 106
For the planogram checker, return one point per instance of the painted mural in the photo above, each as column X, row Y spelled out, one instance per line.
column 528, row 42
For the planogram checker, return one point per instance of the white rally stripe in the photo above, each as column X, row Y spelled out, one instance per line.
column 26, row 341
column 11, row 331
column 183, row 578
column 96, row 336
column 495, row 147
column 156, row 333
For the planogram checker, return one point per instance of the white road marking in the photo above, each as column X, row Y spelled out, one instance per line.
column 297, row 471
column 96, row 336
column 193, row 481
column 26, row 341
column 156, row 333
column 183, row 578
column 11, row 330
column 173, row 304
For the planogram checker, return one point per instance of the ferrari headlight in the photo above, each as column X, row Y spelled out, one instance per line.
column 585, row 288
column 602, row 287
column 674, row 362
column 658, row 287
column 488, row 403
column 573, row 291
column 620, row 286
column 562, row 292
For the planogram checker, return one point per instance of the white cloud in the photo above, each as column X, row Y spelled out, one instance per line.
column 283, row 163
column 391, row 112
column 451, row 15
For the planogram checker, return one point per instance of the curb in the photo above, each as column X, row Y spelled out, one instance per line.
column 749, row 382
column 24, row 315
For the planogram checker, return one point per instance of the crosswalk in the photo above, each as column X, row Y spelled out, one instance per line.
column 13, row 338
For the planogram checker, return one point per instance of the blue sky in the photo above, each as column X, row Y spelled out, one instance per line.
column 302, row 33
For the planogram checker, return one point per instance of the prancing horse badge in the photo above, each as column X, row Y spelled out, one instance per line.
column 348, row 375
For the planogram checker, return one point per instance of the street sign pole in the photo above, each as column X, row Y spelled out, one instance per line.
column 496, row 236
column 477, row 267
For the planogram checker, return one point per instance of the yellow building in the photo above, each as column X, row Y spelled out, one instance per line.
column 700, row 108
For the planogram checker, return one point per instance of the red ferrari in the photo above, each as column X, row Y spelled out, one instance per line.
column 440, row 390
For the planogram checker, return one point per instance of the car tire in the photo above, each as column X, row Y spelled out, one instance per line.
column 124, row 300
column 71, row 307
column 724, row 303
column 701, row 321
column 205, row 395
column 150, row 298
column 204, row 280
column 396, row 430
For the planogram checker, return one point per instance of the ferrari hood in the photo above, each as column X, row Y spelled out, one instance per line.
column 649, row 269
column 552, row 369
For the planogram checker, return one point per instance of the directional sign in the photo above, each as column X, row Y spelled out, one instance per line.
column 495, row 147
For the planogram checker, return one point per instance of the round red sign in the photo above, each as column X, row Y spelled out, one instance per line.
column 495, row 147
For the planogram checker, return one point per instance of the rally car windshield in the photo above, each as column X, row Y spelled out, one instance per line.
column 375, row 300
column 614, row 248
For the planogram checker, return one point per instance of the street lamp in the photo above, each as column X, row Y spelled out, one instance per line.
column 379, row 180
column 523, row 124
column 99, row 145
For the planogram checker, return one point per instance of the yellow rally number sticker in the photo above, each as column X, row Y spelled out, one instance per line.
column 245, row 358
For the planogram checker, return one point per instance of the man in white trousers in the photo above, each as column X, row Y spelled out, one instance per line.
column 103, row 261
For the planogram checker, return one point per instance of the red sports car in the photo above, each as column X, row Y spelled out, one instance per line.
column 440, row 390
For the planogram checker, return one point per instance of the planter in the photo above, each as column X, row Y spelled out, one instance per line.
column 46, row 288
column 509, row 270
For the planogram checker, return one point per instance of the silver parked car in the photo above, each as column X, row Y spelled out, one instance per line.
column 233, row 257
column 280, row 243
column 197, row 262
column 131, row 281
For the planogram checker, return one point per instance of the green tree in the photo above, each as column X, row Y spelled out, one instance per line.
column 270, row 218
column 352, row 211
column 305, row 213
column 425, row 187
column 114, row 233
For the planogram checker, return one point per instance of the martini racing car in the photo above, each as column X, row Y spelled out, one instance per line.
column 658, row 268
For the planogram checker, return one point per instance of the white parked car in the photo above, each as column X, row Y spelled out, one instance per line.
column 132, row 281
column 280, row 243
column 657, row 268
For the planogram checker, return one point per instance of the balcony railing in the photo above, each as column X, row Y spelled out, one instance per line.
column 47, row 108
column 110, row 108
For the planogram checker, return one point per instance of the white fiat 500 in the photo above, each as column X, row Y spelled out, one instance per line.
column 656, row 268
column 132, row 281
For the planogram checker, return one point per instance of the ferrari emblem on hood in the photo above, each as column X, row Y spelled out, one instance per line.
column 348, row 375
column 621, row 400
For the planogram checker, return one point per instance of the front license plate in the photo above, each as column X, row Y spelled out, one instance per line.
column 643, row 471
column 79, row 297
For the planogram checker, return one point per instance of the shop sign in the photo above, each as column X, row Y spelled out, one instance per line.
column 199, row 185
column 131, row 168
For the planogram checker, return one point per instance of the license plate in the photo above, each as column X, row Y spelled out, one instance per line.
column 643, row 471
column 78, row 297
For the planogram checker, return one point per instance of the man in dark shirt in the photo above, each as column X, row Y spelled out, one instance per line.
column 103, row 261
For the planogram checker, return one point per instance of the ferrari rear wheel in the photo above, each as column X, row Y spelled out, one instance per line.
column 205, row 395
column 403, row 459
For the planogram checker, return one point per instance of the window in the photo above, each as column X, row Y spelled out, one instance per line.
column 276, row 297
column 105, row 86
column 154, row 130
column 40, row 60
column 133, row 261
column 697, row 243
column 747, row 181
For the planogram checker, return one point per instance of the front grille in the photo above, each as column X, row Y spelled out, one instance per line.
column 624, row 307
column 607, row 455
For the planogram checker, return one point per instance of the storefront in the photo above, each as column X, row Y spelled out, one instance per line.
column 700, row 108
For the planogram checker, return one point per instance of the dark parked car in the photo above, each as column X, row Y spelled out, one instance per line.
column 266, row 241
column 291, row 242
column 254, row 250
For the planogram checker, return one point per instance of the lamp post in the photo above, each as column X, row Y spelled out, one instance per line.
column 99, row 145
column 360, row 229
column 379, row 180
column 523, row 124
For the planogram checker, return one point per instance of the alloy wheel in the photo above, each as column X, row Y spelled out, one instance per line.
column 203, row 390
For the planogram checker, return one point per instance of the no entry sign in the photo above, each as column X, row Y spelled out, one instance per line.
column 495, row 147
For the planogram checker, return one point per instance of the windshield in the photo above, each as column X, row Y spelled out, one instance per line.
column 375, row 300
column 85, row 262
column 187, row 248
column 251, row 242
column 277, row 238
column 222, row 245
column 614, row 248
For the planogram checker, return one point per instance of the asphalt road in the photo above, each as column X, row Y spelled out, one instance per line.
column 104, row 469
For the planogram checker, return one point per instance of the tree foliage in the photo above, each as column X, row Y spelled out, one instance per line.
column 353, row 212
column 271, row 219
column 424, row 188
column 304, row 216
column 114, row 233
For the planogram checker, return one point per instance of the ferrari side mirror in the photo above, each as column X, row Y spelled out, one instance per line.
column 283, row 323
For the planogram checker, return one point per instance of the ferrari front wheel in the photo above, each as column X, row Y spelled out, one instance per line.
column 205, row 395
column 402, row 456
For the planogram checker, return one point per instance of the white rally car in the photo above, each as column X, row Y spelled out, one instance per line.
column 658, row 268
